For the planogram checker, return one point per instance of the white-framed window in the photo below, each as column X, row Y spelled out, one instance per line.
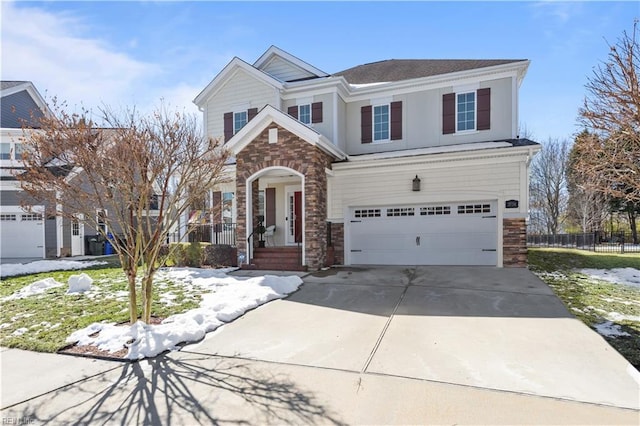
column 101, row 221
column 8, row 217
column 5, row 151
column 367, row 213
column 465, row 111
column 400, row 211
column 304, row 113
column 381, row 122
column 17, row 151
column 239, row 121
column 227, row 209
column 474, row 208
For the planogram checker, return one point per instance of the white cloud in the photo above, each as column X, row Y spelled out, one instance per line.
column 52, row 50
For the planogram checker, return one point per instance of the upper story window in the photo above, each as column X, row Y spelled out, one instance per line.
column 307, row 113
column 304, row 113
column 466, row 111
column 5, row 151
column 11, row 151
column 239, row 121
column 236, row 120
column 380, row 123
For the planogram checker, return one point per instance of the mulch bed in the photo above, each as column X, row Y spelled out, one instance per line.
column 90, row 351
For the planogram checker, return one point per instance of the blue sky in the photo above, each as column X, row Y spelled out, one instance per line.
column 134, row 53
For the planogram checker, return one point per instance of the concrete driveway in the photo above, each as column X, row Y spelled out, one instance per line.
column 430, row 345
column 499, row 329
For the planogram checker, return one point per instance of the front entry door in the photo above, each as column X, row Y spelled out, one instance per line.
column 294, row 215
column 77, row 236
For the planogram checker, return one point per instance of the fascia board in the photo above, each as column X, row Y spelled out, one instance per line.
column 276, row 51
column 228, row 71
column 269, row 115
column 485, row 156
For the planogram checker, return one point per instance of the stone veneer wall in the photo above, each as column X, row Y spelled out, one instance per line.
column 337, row 238
column 514, row 243
column 296, row 154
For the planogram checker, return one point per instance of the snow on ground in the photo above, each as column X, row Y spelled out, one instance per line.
column 11, row 269
column 610, row 329
column 626, row 276
column 33, row 289
column 225, row 299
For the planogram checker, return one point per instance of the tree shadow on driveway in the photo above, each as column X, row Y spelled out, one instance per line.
column 179, row 388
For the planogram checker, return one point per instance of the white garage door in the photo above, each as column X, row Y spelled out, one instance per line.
column 432, row 234
column 21, row 233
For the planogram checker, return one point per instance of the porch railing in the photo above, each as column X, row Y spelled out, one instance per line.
column 214, row 233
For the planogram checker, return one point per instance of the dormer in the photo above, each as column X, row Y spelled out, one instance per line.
column 286, row 67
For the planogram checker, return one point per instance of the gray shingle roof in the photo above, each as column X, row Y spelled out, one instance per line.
column 406, row 69
column 10, row 84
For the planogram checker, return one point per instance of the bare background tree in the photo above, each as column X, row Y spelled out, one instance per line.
column 549, row 198
column 143, row 171
column 610, row 159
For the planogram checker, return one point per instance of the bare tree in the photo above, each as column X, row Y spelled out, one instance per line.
column 610, row 159
column 143, row 171
column 549, row 187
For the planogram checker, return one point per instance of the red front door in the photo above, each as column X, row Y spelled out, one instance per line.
column 297, row 224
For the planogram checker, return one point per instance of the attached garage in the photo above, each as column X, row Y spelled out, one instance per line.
column 21, row 233
column 463, row 233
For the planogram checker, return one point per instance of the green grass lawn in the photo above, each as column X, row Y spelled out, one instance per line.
column 594, row 301
column 43, row 322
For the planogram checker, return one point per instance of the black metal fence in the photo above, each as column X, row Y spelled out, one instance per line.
column 601, row 242
column 218, row 234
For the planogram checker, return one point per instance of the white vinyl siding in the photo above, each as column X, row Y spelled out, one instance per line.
column 242, row 88
column 440, row 181
column 422, row 120
column 284, row 71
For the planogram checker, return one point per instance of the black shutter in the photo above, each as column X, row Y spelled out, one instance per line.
column 228, row 126
column 396, row 120
column 316, row 112
column 251, row 112
column 293, row 111
column 484, row 109
column 366, row 127
column 448, row 113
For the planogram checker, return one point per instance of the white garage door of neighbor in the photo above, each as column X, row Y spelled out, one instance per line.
column 21, row 234
column 431, row 234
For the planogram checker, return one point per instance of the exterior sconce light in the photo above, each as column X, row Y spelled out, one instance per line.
column 416, row 183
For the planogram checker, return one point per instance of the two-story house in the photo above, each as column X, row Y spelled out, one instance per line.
column 403, row 162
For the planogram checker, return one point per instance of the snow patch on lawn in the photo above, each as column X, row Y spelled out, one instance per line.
column 33, row 289
column 610, row 329
column 225, row 299
column 11, row 269
column 79, row 283
column 626, row 276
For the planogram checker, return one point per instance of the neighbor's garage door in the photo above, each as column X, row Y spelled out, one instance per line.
column 21, row 233
column 433, row 234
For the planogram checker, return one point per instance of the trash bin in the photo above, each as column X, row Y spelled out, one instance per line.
column 108, row 246
column 96, row 246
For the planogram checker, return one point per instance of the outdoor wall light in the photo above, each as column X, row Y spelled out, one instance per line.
column 416, row 183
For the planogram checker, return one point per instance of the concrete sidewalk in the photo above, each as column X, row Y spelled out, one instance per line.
column 355, row 346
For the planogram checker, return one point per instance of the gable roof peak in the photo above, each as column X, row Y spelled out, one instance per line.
column 288, row 57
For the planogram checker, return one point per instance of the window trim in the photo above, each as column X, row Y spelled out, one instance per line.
column 475, row 112
column 246, row 120
column 373, row 123
column 308, row 104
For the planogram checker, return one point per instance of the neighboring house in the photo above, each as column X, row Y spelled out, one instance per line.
column 23, row 233
column 406, row 162
column 29, row 228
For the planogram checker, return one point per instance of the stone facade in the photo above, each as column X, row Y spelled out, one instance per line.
column 337, row 239
column 296, row 154
column 514, row 243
